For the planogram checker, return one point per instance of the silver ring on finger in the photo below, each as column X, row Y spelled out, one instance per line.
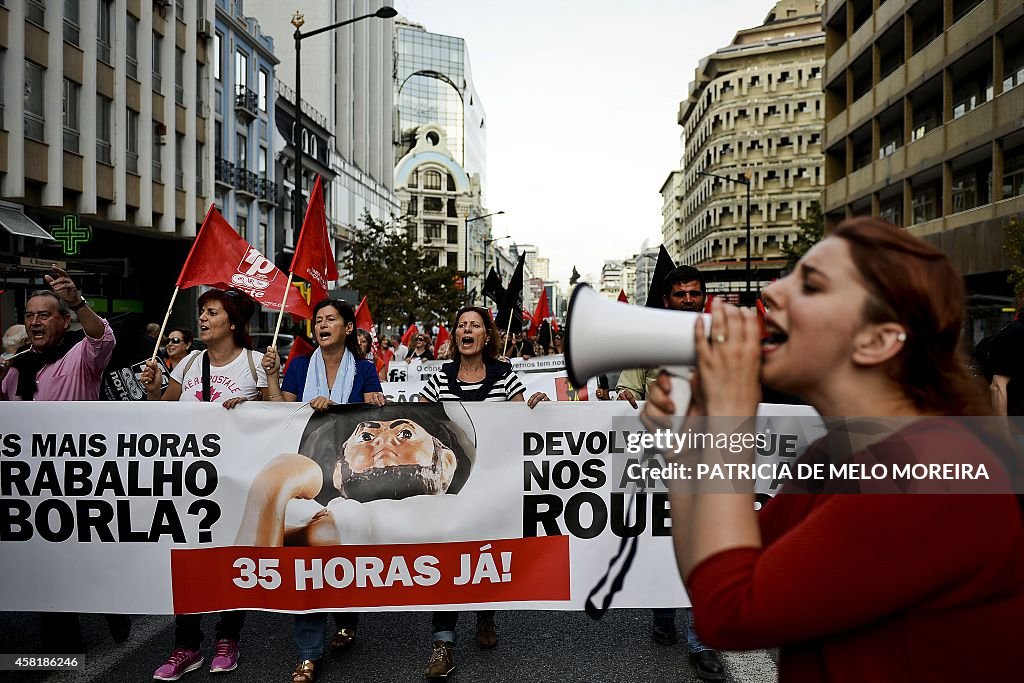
column 720, row 339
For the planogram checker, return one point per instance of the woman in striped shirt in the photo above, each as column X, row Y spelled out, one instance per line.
column 475, row 373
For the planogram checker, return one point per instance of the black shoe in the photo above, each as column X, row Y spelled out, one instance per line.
column 664, row 634
column 708, row 665
column 120, row 626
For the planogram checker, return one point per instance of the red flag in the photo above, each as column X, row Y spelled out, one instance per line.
column 622, row 296
column 300, row 347
column 442, row 339
column 313, row 260
column 540, row 313
column 364, row 321
column 707, row 302
column 554, row 325
column 221, row 258
column 409, row 334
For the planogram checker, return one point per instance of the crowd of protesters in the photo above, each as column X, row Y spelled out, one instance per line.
column 843, row 332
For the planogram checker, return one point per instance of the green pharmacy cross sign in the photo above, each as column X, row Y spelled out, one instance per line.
column 70, row 233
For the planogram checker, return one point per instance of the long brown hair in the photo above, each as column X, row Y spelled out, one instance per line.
column 912, row 283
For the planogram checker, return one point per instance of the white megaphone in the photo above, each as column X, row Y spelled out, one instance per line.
column 608, row 335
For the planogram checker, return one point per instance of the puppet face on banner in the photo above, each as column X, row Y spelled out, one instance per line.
column 393, row 459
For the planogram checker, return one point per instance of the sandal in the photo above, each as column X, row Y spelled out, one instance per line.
column 305, row 672
column 343, row 639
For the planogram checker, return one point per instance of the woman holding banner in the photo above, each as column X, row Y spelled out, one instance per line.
column 227, row 372
column 906, row 586
column 475, row 373
column 335, row 373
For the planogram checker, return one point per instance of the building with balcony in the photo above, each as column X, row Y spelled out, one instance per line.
column 105, row 142
column 923, row 126
column 348, row 79
column 243, row 65
column 754, row 109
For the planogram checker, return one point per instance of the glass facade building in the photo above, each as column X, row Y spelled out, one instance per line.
column 434, row 84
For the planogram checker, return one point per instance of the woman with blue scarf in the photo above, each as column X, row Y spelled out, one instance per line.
column 336, row 372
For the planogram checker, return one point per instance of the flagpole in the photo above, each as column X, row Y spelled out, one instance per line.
column 507, row 333
column 280, row 314
column 163, row 325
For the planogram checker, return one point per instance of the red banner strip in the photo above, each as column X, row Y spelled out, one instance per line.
column 238, row 577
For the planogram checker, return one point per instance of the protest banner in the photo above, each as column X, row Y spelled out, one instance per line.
column 166, row 507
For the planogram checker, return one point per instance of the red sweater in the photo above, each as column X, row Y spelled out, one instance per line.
column 865, row 588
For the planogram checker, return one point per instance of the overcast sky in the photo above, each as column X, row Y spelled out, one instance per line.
column 581, row 98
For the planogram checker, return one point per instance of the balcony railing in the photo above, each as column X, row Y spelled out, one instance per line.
column 247, row 102
column 268, row 190
column 224, row 173
column 246, row 182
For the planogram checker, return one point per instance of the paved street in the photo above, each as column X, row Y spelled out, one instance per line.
column 541, row 646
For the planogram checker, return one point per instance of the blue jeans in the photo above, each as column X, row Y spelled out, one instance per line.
column 665, row 617
column 309, row 631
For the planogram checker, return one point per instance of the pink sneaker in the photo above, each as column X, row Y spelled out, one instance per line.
column 225, row 656
column 178, row 664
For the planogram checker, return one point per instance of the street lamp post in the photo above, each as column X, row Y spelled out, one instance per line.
column 465, row 282
column 298, row 20
column 742, row 179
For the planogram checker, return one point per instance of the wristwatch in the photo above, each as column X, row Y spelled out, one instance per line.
column 80, row 305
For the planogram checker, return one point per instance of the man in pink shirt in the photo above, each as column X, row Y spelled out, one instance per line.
column 59, row 366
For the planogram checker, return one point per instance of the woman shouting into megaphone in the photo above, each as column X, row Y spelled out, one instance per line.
column 854, row 587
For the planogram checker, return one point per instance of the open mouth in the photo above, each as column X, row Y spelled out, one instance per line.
column 324, row 334
column 466, row 341
column 774, row 336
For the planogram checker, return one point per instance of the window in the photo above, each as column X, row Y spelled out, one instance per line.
column 755, row 80
column 452, row 260
column 453, row 234
column 70, row 107
column 433, row 205
column 35, row 119
column 35, row 11
column 179, row 153
column 971, row 91
column 414, row 180
column 132, row 47
column 179, row 76
column 1013, row 173
column 158, row 176
column 890, row 140
column 218, row 139
column 1013, row 67
column 925, row 204
column 262, row 84
column 104, row 30
column 451, row 209
column 451, row 183
column 432, row 230
column 158, row 45
column 179, row 9
column 72, row 22
column 891, row 210
column 218, row 57
column 241, row 70
column 432, row 181
column 201, row 88
column 241, row 156
column 104, row 107
column 132, row 151
column 200, row 163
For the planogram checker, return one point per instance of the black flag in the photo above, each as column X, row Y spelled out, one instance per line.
column 575, row 277
column 493, row 289
column 661, row 269
column 544, row 335
column 511, row 306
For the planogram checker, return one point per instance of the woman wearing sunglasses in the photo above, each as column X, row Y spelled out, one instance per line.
column 420, row 350
column 179, row 345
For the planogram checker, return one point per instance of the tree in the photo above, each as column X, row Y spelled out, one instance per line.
column 810, row 231
column 1013, row 245
column 401, row 282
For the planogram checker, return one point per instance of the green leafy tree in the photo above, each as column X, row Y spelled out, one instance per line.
column 401, row 282
column 1013, row 245
column 810, row 232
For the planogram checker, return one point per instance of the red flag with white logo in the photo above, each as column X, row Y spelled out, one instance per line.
column 221, row 258
column 313, row 260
